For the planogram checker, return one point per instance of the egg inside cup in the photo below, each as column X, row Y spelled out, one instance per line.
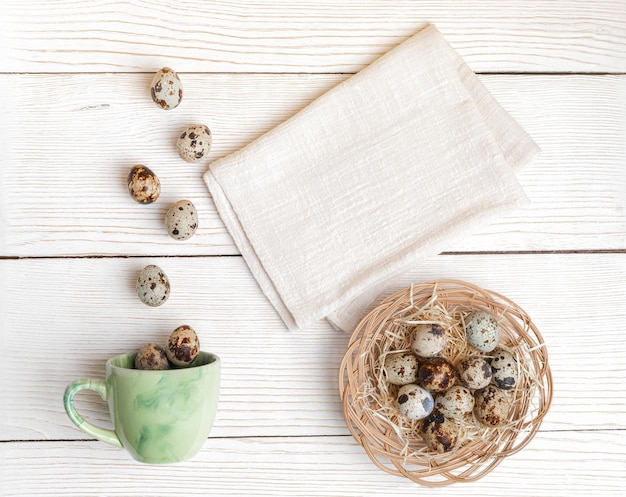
column 440, row 450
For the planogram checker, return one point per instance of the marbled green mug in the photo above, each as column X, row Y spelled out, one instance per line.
column 159, row 416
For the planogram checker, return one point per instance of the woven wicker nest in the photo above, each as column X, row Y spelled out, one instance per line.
column 393, row 442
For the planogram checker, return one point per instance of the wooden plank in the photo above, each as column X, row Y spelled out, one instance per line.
column 62, row 318
column 307, row 36
column 554, row 464
column 71, row 139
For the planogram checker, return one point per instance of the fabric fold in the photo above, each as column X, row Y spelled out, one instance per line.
column 379, row 173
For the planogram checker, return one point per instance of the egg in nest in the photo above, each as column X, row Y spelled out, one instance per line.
column 414, row 402
column 482, row 330
column 428, row 340
column 437, row 374
column 456, row 402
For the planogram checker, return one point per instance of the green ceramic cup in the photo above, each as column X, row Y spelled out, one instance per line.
column 159, row 417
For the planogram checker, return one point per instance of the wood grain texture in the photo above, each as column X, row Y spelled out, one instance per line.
column 307, row 36
column 76, row 115
column 62, row 318
column 554, row 464
column 71, row 140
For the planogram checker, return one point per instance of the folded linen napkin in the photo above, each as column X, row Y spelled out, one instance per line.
column 379, row 173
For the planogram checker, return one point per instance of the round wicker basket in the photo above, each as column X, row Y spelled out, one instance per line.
column 393, row 442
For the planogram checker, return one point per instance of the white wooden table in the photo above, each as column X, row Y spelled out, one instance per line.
column 76, row 115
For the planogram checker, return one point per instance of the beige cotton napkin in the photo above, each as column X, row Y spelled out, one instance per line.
column 382, row 171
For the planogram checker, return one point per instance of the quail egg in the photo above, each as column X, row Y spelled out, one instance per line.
column 436, row 374
column 401, row 368
column 455, row 403
column 194, row 143
column 153, row 286
column 181, row 220
column 440, row 433
column 414, row 402
column 166, row 89
column 482, row 330
column 151, row 356
column 475, row 372
column 428, row 340
column 491, row 406
column 144, row 186
column 182, row 346
column 504, row 370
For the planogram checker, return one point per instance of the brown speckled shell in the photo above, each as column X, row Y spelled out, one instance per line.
column 153, row 286
column 491, row 406
column 414, row 402
column 166, row 89
column 482, row 330
column 440, row 433
column 401, row 368
column 504, row 369
column 194, row 143
column 143, row 185
column 183, row 346
column 181, row 220
column 428, row 340
column 437, row 374
column 455, row 403
column 475, row 372
column 151, row 357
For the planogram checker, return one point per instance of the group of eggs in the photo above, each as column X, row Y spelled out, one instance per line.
column 183, row 345
column 181, row 221
column 181, row 350
column 193, row 144
column 438, row 392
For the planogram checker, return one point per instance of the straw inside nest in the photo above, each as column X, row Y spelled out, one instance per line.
column 391, row 440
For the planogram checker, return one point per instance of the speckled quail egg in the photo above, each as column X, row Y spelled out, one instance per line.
column 482, row 330
column 153, row 286
column 440, row 433
column 183, row 346
column 166, row 89
column 436, row 374
column 181, row 220
column 504, row 368
column 491, row 406
column 428, row 340
column 475, row 372
column 143, row 185
column 151, row 356
column 400, row 368
column 456, row 402
column 194, row 143
column 414, row 402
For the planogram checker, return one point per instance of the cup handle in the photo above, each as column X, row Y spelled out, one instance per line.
column 102, row 434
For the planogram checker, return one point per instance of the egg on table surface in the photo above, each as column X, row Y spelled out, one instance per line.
column 194, row 143
column 456, row 402
column 153, row 286
column 427, row 340
column 475, row 372
column 482, row 330
column 491, row 406
column 151, row 357
column 183, row 346
column 414, row 402
column 440, row 433
column 400, row 368
column 166, row 89
column 504, row 369
column 143, row 185
column 436, row 374
column 181, row 220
